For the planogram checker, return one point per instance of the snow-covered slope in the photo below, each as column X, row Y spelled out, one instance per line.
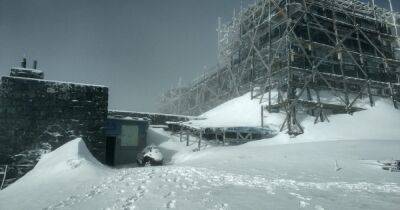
column 58, row 173
column 332, row 166
column 379, row 122
column 241, row 111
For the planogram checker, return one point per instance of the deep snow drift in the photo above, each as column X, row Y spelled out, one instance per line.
column 57, row 173
column 332, row 166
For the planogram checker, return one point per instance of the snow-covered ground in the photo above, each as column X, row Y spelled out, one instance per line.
column 332, row 166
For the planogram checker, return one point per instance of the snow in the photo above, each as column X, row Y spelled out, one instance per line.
column 52, row 177
column 153, row 152
column 332, row 166
column 379, row 122
column 150, row 113
column 36, row 71
column 238, row 112
column 57, row 82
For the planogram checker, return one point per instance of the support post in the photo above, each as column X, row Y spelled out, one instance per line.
column 200, row 138
column 180, row 133
column 223, row 136
column 187, row 140
column 262, row 116
column 4, row 177
column 251, row 91
column 371, row 99
column 394, row 22
column 392, row 96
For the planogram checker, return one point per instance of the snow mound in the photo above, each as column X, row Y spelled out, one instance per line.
column 65, row 169
column 381, row 122
column 241, row 111
column 72, row 155
column 336, row 166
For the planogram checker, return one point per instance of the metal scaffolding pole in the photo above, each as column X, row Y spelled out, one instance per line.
column 298, row 49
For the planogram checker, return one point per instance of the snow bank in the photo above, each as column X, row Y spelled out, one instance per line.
column 66, row 169
column 310, row 175
column 276, row 173
column 381, row 122
column 72, row 155
column 241, row 111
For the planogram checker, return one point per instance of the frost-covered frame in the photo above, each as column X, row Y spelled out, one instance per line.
column 298, row 49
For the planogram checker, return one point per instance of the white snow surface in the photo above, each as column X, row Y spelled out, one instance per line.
column 332, row 166
column 379, row 122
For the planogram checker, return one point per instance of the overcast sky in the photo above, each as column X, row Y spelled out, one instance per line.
column 138, row 48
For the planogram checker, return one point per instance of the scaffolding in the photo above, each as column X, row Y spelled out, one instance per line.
column 300, row 48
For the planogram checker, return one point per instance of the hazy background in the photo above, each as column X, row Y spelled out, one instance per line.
column 138, row 48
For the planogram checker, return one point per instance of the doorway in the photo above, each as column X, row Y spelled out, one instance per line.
column 110, row 150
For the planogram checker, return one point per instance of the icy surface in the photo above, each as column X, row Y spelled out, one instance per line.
column 333, row 166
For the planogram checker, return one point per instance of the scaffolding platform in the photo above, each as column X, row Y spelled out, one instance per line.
column 313, row 105
column 300, row 48
column 225, row 135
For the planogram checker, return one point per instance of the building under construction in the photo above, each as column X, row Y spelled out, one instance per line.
column 296, row 49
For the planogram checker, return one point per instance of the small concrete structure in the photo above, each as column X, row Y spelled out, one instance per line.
column 126, row 137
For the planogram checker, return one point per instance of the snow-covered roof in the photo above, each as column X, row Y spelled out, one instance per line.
column 36, row 71
column 150, row 113
column 128, row 118
column 55, row 81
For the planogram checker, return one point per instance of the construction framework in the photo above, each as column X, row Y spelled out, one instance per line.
column 288, row 52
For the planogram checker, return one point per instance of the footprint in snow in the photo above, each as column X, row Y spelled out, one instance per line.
column 184, row 186
column 129, row 207
column 170, row 194
column 146, row 181
column 141, row 187
column 74, row 163
column 129, row 203
column 221, row 206
column 171, row 204
column 303, row 204
column 224, row 206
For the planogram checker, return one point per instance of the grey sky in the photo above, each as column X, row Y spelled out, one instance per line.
column 138, row 48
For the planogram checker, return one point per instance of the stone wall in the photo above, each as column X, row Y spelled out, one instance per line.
column 37, row 115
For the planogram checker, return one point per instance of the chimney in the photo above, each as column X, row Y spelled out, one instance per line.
column 27, row 73
column 35, row 64
column 23, row 63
